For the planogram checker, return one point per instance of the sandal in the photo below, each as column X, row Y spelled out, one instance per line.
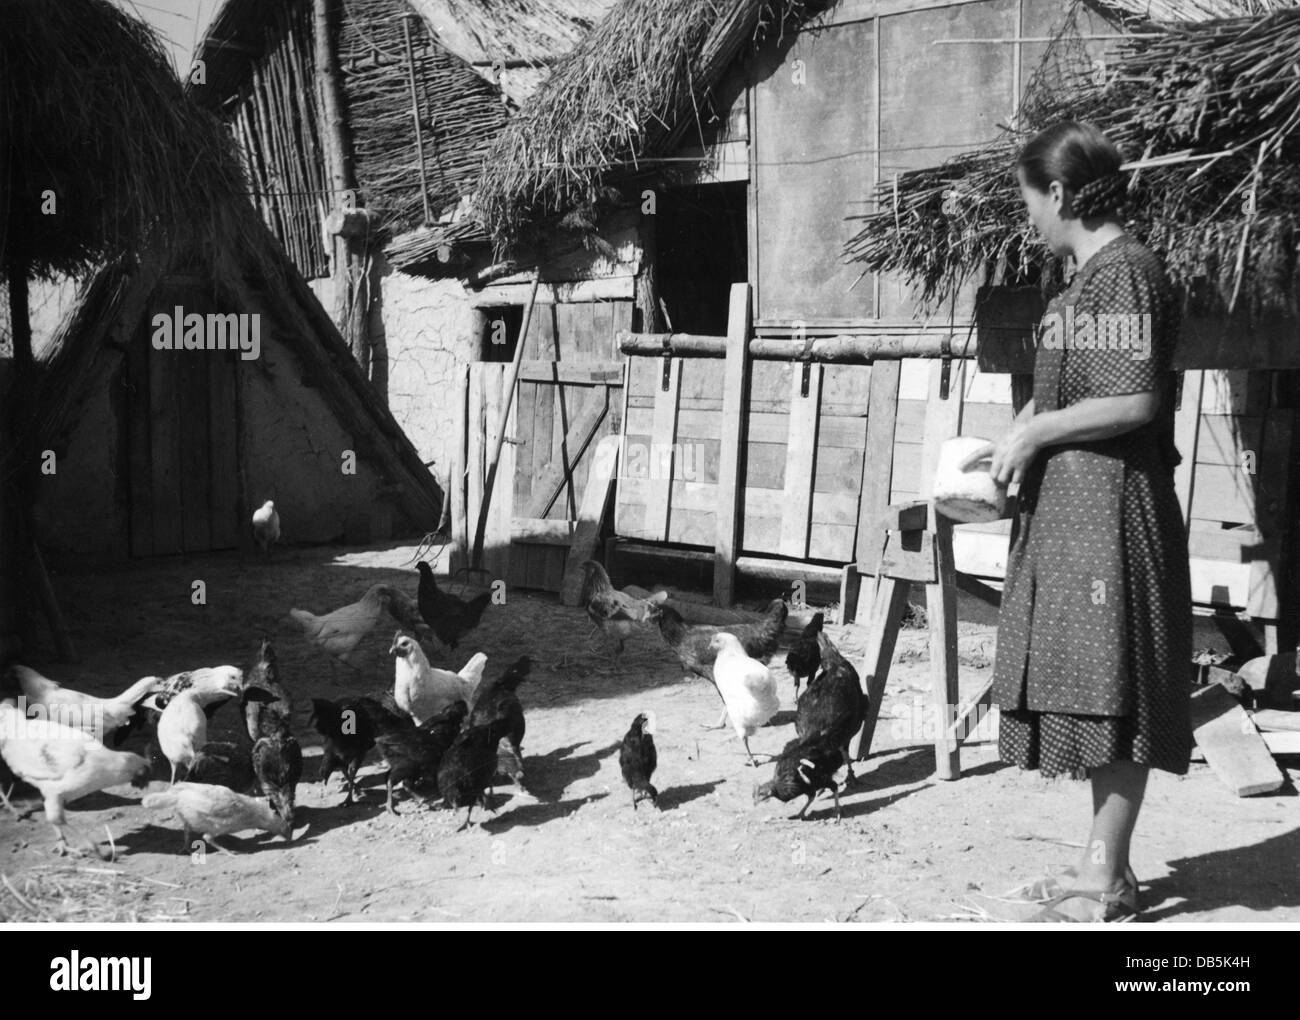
column 1041, row 890
column 1117, row 908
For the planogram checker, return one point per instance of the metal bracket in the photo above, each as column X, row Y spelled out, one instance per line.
column 806, row 357
column 945, row 366
column 668, row 363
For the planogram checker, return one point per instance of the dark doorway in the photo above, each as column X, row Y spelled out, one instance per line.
column 700, row 252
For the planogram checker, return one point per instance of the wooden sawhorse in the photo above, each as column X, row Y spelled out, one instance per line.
column 915, row 547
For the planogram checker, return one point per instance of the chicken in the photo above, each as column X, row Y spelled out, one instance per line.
column 805, row 767
column 747, row 687
column 450, row 617
column 637, row 760
column 422, row 690
column 101, row 717
column 212, row 684
column 340, row 632
column 348, row 736
column 183, row 725
column 277, row 764
column 499, row 700
column 692, row 642
column 224, row 763
column 266, row 526
column 406, row 611
column 834, row 704
column 267, row 705
column 412, row 753
column 804, row 658
column 468, row 767
column 214, row 811
column 64, row 763
column 616, row 614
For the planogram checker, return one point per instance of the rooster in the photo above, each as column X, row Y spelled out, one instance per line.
column 266, row 526
column 340, row 632
column 420, row 689
column 450, row 618
column 692, row 642
column 64, row 763
column 616, row 614
column 214, row 811
column 747, row 687
column 834, row 705
column 804, row 768
column 102, row 717
column 805, row 656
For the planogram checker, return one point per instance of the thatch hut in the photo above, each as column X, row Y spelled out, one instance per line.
column 197, row 374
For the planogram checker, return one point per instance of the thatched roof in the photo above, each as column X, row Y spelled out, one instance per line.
column 1206, row 113
column 1181, row 11
column 621, row 97
column 513, row 43
column 93, row 112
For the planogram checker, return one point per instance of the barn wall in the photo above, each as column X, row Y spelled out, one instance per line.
column 81, row 510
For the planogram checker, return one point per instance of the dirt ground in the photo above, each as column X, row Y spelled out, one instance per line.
column 909, row 847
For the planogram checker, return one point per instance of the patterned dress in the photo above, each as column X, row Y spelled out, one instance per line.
column 1095, row 632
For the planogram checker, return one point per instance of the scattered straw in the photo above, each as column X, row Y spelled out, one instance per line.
column 64, row 893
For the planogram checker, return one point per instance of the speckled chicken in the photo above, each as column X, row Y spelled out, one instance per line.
column 267, row 705
column 803, row 769
column 834, row 704
column 615, row 613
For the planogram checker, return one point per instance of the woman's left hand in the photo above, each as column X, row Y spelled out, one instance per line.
column 1013, row 454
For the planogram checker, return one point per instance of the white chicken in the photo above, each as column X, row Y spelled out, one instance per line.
column 183, row 725
column 339, row 632
column 747, row 687
column 421, row 690
column 214, row 811
column 100, row 717
column 210, row 683
column 266, row 526
column 63, row 763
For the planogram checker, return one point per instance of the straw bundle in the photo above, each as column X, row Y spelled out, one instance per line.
column 625, row 93
column 1209, row 112
column 95, row 115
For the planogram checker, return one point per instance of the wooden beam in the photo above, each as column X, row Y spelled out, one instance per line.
column 887, row 608
column 550, row 482
column 800, row 460
column 877, row 462
column 735, row 395
column 572, row 373
column 1231, row 744
column 663, row 434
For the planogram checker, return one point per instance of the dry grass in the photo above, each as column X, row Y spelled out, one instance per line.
column 72, row 894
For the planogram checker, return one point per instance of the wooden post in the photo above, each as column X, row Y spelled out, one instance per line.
column 887, row 610
column 662, row 464
column 1187, row 421
column 735, row 396
column 415, row 114
column 877, row 480
column 942, row 422
column 456, row 482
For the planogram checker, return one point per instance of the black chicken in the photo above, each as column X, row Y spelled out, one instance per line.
column 265, row 702
column 412, row 753
column 637, row 759
column 277, row 764
column 804, row 768
column 834, row 704
column 224, row 763
column 498, row 700
column 469, row 766
column 804, row 657
column 348, row 735
column 450, row 617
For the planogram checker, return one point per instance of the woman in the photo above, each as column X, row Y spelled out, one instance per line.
column 1093, row 671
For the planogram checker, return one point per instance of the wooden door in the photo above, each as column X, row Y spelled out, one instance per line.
column 569, row 397
column 182, row 424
